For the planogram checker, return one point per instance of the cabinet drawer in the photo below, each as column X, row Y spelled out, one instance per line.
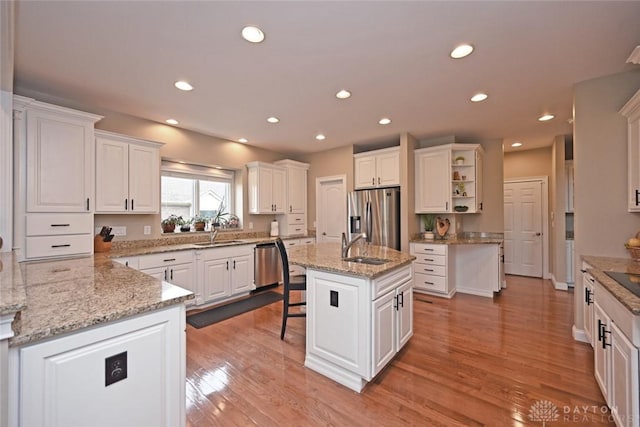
column 436, row 270
column 385, row 283
column 54, row 246
column 293, row 219
column 297, row 229
column 431, row 259
column 429, row 282
column 307, row 241
column 54, row 224
column 167, row 258
column 430, row 249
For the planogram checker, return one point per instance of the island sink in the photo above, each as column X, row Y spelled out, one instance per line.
column 367, row 260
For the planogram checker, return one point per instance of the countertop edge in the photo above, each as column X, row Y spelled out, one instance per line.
column 602, row 264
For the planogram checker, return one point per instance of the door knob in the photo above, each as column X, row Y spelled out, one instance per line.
column 538, row 234
column 324, row 234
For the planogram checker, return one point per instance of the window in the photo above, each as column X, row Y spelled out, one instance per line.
column 190, row 190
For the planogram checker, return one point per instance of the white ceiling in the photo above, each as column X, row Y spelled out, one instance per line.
column 393, row 55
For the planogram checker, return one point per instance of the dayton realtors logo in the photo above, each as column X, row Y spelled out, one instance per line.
column 546, row 411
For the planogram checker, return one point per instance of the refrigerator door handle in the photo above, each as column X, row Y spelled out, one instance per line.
column 368, row 221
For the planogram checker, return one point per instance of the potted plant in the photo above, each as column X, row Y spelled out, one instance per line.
column 233, row 221
column 460, row 160
column 185, row 224
column 169, row 224
column 429, row 222
column 218, row 218
column 200, row 222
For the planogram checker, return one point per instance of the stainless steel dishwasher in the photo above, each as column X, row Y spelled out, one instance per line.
column 267, row 266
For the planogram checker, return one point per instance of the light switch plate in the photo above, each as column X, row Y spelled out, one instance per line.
column 147, row 229
column 119, row 231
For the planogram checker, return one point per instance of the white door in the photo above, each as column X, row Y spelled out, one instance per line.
column 144, row 179
column 331, row 208
column 523, row 228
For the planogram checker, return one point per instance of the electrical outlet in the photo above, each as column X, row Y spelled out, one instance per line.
column 115, row 368
column 119, row 231
column 147, row 229
column 250, row 226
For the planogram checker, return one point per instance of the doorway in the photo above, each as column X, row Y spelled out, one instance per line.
column 331, row 208
column 525, row 227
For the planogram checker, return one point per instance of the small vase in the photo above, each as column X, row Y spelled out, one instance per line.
column 428, row 235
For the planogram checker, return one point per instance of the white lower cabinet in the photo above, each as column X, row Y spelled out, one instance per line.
column 223, row 273
column 616, row 357
column 587, row 304
column 356, row 325
column 174, row 267
column 432, row 269
column 297, row 270
column 67, row 381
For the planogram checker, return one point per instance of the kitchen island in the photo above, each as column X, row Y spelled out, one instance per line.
column 359, row 315
column 90, row 335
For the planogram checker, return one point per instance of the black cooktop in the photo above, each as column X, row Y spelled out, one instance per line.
column 629, row 281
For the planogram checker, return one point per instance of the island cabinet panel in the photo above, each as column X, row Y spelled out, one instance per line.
column 67, row 381
column 352, row 330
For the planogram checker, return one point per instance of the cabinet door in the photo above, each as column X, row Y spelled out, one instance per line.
column 60, row 173
column 624, row 379
column 278, row 189
column 241, row 274
column 365, row 172
column 144, row 179
column 265, row 190
column 297, row 190
column 112, row 176
column 216, row 279
column 181, row 275
column 388, row 169
column 384, row 330
column 159, row 273
column 479, row 205
column 433, row 183
column 405, row 314
column 601, row 353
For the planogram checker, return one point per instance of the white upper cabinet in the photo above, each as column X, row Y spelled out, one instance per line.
column 59, row 158
column 631, row 111
column 267, row 185
column 294, row 220
column 448, row 179
column 379, row 168
column 127, row 174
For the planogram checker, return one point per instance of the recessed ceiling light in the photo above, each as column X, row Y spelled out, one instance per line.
column 546, row 117
column 343, row 94
column 182, row 85
column 384, row 121
column 172, row 121
column 461, row 51
column 243, row 140
column 479, row 97
column 252, row 34
column 320, row 137
column 273, row 119
column 517, row 144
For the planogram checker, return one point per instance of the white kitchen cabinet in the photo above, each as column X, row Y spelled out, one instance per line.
column 294, row 220
column 587, row 304
column 631, row 110
column 568, row 245
column 297, row 270
column 175, row 267
column 378, row 168
column 266, row 185
column 127, row 174
column 448, row 178
column 355, row 325
column 63, row 381
column 392, row 324
column 431, row 269
column 223, row 273
column 54, row 179
column 568, row 193
column 616, row 341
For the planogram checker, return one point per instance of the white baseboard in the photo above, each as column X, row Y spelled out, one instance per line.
column 579, row 334
column 560, row 286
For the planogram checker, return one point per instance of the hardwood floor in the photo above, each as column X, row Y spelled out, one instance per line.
column 472, row 361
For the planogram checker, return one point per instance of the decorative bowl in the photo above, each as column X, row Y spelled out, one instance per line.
column 461, row 208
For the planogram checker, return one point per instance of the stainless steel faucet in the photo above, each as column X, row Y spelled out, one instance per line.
column 213, row 234
column 346, row 246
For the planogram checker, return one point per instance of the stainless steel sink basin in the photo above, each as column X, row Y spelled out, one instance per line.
column 367, row 260
column 222, row 242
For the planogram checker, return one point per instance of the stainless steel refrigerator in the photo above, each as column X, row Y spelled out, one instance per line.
column 376, row 213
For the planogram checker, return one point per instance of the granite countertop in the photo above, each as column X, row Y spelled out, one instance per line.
column 12, row 294
column 67, row 295
column 464, row 238
column 624, row 265
column 327, row 257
